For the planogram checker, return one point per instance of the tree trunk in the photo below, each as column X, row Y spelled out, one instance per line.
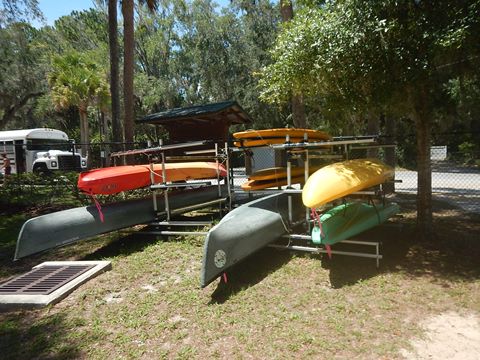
column 422, row 117
column 298, row 111
column 286, row 9
column 390, row 158
column 128, row 44
column 107, row 139
column 373, row 130
column 298, row 108
column 117, row 136
column 84, row 134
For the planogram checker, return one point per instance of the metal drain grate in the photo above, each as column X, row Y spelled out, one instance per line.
column 43, row 280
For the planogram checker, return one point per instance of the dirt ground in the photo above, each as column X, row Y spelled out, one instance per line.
column 453, row 334
column 447, row 336
column 422, row 303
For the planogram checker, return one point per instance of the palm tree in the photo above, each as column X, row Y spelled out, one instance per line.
column 128, row 60
column 128, row 65
column 75, row 82
column 117, row 135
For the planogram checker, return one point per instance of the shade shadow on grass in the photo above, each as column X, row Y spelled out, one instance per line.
column 137, row 242
column 249, row 272
column 394, row 241
column 22, row 336
column 123, row 246
column 452, row 255
column 448, row 257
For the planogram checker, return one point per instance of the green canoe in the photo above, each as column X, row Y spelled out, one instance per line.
column 245, row 230
column 69, row 226
column 349, row 219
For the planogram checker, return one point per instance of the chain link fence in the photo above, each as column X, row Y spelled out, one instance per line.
column 455, row 167
column 455, row 172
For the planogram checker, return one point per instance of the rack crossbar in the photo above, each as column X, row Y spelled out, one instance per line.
column 308, row 237
column 169, row 233
column 194, row 152
column 175, row 185
column 318, row 250
column 323, row 251
column 195, row 207
column 159, row 148
column 268, row 191
column 292, row 191
column 322, row 143
column 372, row 147
column 181, row 223
column 192, row 157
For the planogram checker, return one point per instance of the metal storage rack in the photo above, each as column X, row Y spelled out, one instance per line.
column 220, row 155
column 303, row 150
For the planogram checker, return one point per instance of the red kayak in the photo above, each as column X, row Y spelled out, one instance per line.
column 112, row 180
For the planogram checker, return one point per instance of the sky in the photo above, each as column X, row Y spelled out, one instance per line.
column 53, row 9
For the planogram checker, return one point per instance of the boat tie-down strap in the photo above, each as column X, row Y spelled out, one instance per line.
column 319, row 230
column 97, row 205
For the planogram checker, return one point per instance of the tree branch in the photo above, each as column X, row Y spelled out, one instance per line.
column 10, row 113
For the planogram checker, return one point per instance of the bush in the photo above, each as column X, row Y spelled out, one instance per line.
column 26, row 190
column 468, row 152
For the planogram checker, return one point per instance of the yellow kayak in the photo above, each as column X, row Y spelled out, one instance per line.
column 340, row 179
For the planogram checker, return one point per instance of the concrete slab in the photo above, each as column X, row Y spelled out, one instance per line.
column 11, row 302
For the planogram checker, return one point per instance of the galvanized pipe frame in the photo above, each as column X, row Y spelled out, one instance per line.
column 165, row 187
column 318, row 250
column 182, row 223
column 172, row 233
column 289, row 190
column 305, row 148
column 320, row 144
column 161, row 148
column 179, row 185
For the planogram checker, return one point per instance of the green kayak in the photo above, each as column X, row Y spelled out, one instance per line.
column 349, row 219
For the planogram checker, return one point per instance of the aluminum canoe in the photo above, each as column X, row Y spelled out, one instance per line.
column 69, row 226
column 245, row 230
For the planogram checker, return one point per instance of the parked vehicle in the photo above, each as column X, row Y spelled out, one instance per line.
column 40, row 151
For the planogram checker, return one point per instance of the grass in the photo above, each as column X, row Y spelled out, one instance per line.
column 277, row 304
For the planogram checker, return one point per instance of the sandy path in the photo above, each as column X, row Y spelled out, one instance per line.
column 448, row 336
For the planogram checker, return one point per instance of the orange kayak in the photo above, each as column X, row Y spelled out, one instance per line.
column 282, row 133
column 253, row 138
column 112, row 180
column 251, row 185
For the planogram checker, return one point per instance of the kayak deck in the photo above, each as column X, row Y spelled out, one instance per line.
column 112, row 180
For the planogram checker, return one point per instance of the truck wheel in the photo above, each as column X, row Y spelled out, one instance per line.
column 41, row 169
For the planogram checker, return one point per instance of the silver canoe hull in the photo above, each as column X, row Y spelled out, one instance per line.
column 244, row 231
column 69, row 226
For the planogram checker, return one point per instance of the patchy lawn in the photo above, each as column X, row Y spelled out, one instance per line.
column 277, row 304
